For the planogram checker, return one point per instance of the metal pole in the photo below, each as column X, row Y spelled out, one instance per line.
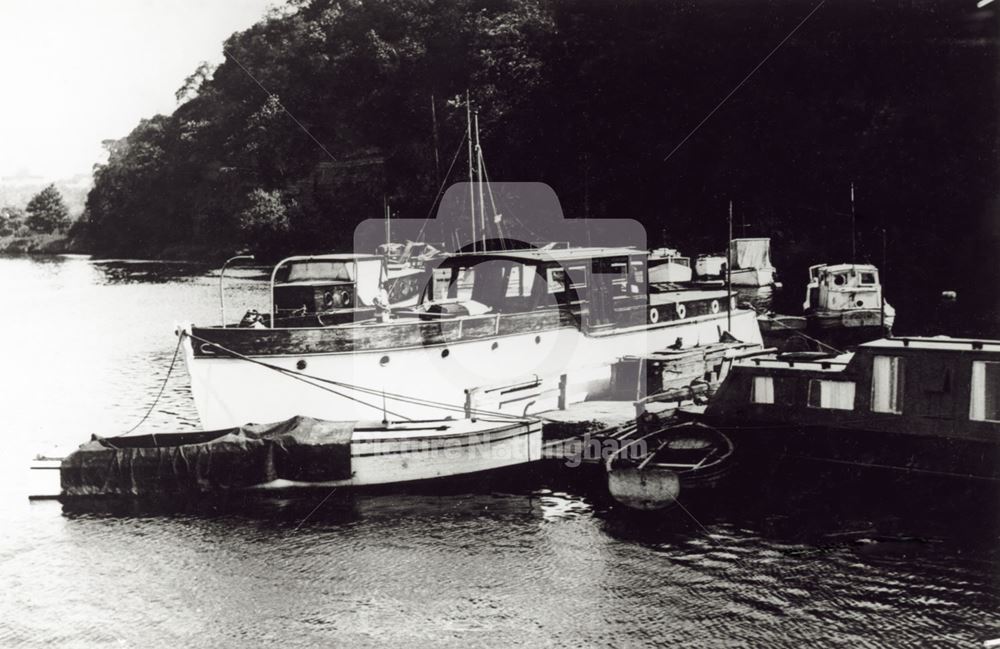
column 388, row 238
column 729, row 273
column 472, row 196
column 222, row 275
column 854, row 239
column 881, row 289
column 437, row 156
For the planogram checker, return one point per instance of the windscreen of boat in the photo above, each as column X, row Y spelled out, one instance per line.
column 321, row 270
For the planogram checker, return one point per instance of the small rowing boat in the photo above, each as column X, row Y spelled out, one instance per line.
column 647, row 473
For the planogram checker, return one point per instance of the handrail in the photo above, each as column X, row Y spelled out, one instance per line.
column 222, row 275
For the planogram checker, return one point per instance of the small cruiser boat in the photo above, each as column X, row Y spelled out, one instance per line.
column 926, row 406
column 751, row 262
column 667, row 266
column 649, row 472
column 847, row 297
column 299, row 452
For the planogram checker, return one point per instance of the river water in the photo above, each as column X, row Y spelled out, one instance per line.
column 800, row 557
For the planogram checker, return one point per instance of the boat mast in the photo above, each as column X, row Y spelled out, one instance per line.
column 881, row 284
column 729, row 272
column 472, row 196
column 388, row 238
column 854, row 239
column 479, row 181
column 434, row 128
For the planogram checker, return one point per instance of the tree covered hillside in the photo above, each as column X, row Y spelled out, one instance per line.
column 589, row 97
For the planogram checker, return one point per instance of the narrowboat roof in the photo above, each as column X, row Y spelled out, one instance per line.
column 937, row 342
column 559, row 255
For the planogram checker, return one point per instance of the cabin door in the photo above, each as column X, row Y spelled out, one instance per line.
column 617, row 293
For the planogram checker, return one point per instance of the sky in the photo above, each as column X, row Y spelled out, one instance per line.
column 76, row 72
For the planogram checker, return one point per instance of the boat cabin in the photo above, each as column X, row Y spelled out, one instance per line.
column 842, row 287
column 942, row 387
column 597, row 287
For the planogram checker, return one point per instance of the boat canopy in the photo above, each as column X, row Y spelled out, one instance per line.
column 751, row 253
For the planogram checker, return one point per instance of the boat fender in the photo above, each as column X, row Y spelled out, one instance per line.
column 681, row 311
column 654, row 315
column 715, row 306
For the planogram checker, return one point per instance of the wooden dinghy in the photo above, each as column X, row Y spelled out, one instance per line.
column 647, row 473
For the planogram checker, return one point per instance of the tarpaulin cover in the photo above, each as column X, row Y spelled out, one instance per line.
column 751, row 253
column 301, row 448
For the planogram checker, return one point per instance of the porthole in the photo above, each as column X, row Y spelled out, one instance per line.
column 445, row 353
column 538, row 339
column 383, row 361
column 495, row 346
column 301, row 364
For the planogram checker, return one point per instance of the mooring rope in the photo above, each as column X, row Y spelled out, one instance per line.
column 797, row 331
column 163, row 386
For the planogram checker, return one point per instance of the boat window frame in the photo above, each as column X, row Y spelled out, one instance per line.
column 820, row 383
column 896, row 387
column 975, row 406
column 767, row 394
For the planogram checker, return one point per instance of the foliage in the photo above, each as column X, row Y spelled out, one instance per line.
column 589, row 97
column 11, row 221
column 47, row 212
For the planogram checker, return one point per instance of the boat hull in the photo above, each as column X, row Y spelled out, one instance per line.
column 851, row 319
column 668, row 272
column 377, row 458
column 869, row 450
column 752, row 277
column 435, row 378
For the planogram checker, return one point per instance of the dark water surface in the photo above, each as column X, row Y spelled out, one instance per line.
column 802, row 557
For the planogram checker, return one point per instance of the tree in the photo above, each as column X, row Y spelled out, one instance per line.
column 47, row 212
column 11, row 220
column 264, row 222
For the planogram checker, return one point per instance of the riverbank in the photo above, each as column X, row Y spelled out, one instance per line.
column 61, row 244
column 44, row 244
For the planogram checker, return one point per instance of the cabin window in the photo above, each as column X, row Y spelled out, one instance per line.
column 762, row 390
column 555, row 279
column 984, row 404
column 867, row 278
column 835, row 395
column 520, row 280
column 577, row 277
column 887, row 384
